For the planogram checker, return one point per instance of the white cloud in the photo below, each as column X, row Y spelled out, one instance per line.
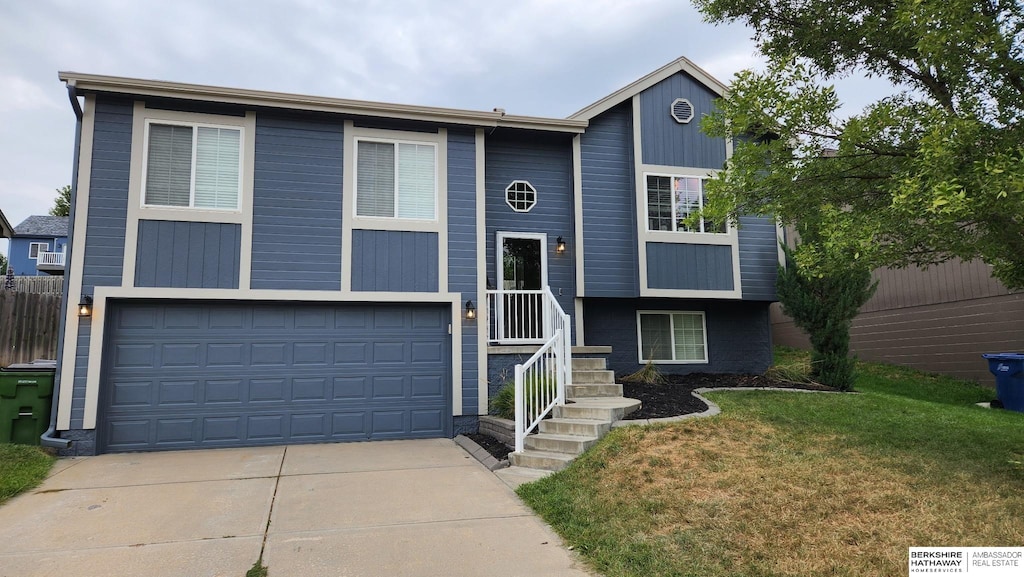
column 22, row 95
column 539, row 57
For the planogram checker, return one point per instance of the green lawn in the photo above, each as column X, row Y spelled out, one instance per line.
column 22, row 467
column 801, row 484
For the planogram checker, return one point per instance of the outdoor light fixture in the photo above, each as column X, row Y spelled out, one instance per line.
column 85, row 306
column 560, row 245
column 470, row 310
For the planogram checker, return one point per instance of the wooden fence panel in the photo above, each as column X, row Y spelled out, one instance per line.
column 53, row 285
column 29, row 323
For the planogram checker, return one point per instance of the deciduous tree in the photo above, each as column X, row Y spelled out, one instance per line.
column 933, row 171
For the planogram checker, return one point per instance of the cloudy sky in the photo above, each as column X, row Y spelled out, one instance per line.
column 533, row 57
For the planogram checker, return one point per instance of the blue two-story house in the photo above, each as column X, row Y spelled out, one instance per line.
column 258, row 268
column 38, row 245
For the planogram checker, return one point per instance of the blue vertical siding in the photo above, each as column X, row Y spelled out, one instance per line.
column 297, row 204
column 462, row 252
column 187, row 254
column 759, row 258
column 547, row 164
column 105, row 222
column 609, row 205
column 689, row 266
column 392, row 260
column 667, row 142
column 738, row 333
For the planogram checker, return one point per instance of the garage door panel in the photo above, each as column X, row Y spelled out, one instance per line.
column 346, row 388
column 176, row 431
column 227, row 319
column 130, row 394
column 180, row 355
column 218, row 375
column 270, row 354
column 223, row 429
column 426, row 352
column 351, row 353
column 426, row 421
column 134, row 355
column 184, row 317
column 178, row 393
column 428, row 386
column 226, row 355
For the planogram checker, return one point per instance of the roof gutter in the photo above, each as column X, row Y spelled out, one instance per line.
column 245, row 97
column 51, row 438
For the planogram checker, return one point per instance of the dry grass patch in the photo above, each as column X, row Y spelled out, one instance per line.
column 731, row 496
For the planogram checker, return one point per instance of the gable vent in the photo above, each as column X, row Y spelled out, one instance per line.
column 682, row 110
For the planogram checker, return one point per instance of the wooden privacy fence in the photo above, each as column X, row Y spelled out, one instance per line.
column 51, row 285
column 29, row 323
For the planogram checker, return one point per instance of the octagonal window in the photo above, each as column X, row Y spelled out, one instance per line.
column 520, row 196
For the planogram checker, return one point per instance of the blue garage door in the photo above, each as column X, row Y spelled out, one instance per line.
column 183, row 376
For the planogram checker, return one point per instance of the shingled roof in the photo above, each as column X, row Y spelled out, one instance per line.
column 43, row 225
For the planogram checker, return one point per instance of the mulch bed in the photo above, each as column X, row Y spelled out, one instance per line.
column 674, row 398
column 496, row 448
column 671, row 399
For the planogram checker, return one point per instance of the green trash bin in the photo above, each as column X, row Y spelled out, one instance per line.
column 25, row 394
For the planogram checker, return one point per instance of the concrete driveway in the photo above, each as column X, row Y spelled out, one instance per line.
column 382, row 508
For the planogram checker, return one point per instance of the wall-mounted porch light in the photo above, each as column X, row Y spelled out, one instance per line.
column 470, row 310
column 560, row 245
column 85, row 306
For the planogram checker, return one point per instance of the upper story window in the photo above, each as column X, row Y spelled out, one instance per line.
column 34, row 248
column 671, row 199
column 396, row 179
column 520, row 196
column 192, row 166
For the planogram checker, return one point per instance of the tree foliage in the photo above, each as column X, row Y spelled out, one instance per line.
column 931, row 172
column 822, row 293
column 62, row 204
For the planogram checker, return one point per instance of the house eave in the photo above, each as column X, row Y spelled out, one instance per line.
column 245, row 97
column 6, row 230
column 681, row 64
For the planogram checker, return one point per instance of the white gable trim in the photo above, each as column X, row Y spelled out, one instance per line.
column 681, row 64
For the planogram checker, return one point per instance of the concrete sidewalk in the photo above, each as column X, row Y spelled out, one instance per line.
column 416, row 508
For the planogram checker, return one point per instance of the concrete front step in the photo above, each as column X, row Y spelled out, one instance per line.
column 545, row 460
column 608, row 409
column 584, row 427
column 593, row 377
column 553, row 443
column 589, row 364
column 601, row 390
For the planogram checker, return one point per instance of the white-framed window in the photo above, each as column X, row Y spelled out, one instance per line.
column 192, row 165
column 520, row 196
column 671, row 199
column 396, row 179
column 34, row 248
column 672, row 337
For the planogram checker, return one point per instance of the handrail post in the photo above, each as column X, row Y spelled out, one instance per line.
column 520, row 409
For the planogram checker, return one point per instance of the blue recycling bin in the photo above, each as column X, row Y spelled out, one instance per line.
column 1009, row 371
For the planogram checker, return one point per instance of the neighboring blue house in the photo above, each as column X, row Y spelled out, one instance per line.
column 38, row 246
column 269, row 268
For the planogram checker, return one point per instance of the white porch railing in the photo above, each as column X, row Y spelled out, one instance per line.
column 50, row 259
column 527, row 317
